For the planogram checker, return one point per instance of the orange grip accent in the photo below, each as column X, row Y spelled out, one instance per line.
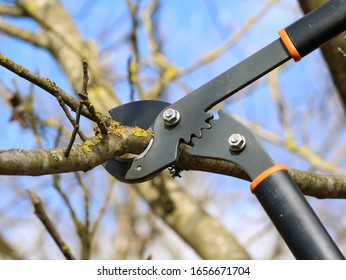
column 266, row 174
column 289, row 45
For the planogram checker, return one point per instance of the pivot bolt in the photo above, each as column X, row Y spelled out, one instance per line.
column 236, row 142
column 171, row 117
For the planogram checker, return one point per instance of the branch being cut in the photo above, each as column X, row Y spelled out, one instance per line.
column 121, row 140
column 82, row 157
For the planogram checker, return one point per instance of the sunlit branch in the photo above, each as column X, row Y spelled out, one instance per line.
column 49, row 225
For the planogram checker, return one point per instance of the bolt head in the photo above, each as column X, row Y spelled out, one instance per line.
column 171, row 117
column 236, row 142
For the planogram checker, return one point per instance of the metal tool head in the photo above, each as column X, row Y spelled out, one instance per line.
column 192, row 114
column 230, row 140
column 139, row 113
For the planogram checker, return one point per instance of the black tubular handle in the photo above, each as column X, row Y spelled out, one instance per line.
column 315, row 29
column 294, row 218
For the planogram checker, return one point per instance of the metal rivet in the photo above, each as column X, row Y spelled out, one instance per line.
column 236, row 142
column 171, row 117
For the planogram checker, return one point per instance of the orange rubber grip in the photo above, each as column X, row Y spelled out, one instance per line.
column 266, row 174
column 289, row 45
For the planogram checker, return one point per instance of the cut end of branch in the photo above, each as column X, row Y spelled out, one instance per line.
column 34, row 197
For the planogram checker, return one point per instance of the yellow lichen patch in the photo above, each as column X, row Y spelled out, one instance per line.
column 120, row 130
column 139, row 132
column 87, row 145
column 31, row 7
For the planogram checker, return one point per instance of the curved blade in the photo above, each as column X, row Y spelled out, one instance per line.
column 139, row 113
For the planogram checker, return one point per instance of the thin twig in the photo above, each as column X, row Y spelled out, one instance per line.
column 131, row 79
column 133, row 38
column 65, row 198
column 84, row 230
column 230, row 41
column 102, row 210
column 75, row 131
column 48, row 224
column 69, row 116
column 43, row 83
column 11, row 10
column 96, row 116
column 58, row 136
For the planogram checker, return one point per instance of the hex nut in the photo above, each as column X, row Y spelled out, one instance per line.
column 171, row 117
column 236, row 142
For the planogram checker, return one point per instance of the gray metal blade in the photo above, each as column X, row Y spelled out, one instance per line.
column 139, row 113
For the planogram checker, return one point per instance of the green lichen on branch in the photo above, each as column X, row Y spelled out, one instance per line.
column 83, row 157
column 12, row 66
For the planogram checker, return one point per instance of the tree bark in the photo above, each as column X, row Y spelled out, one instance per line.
column 65, row 43
column 333, row 52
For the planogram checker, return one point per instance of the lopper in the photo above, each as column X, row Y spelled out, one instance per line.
column 189, row 121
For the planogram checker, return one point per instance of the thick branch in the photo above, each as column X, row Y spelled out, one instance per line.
column 317, row 185
column 121, row 140
column 331, row 52
column 82, row 157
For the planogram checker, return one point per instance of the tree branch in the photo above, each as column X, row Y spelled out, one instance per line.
column 48, row 224
column 43, row 83
column 331, row 53
column 96, row 116
column 13, row 11
column 121, row 140
column 82, row 157
column 312, row 184
column 34, row 38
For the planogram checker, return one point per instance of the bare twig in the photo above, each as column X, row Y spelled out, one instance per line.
column 134, row 66
column 96, row 116
column 280, row 104
column 233, row 38
column 65, row 198
column 48, row 224
column 84, row 232
column 33, row 117
column 58, row 136
column 7, row 250
column 10, row 10
column 12, row 30
column 75, row 131
column 131, row 79
column 44, row 83
column 74, row 122
column 102, row 210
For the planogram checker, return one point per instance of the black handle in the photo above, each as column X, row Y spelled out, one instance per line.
column 317, row 27
column 294, row 218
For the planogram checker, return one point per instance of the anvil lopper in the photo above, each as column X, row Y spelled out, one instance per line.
column 188, row 121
